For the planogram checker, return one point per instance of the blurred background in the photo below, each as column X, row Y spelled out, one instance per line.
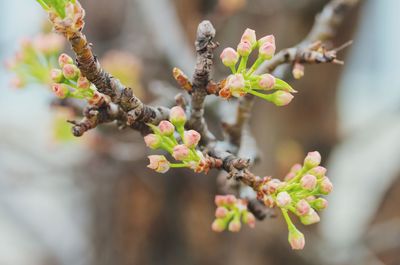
column 92, row 200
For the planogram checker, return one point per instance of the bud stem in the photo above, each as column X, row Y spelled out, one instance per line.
column 243, row 63
column 177, row 165
column 254, row 67
column 289, row 222
column 233, row 69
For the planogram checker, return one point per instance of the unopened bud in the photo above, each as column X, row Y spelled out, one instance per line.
column 302, row 207
column 267, row 81
column 191, row 138
column 326, row 186
column 269, row 201
column 236, row 84
column 318, row 171
column 234, row 225
column 152, row 141
column 312, row 160
column 70, row 71
column 283, row 199
column 159, row 163
column 64, row 59
column 177, row 116
column 249, row 35
column 56, row 75
column 266, row 51
column 181, row 152
column 267, row 39
column 281, row 98
column 298, row 70
column 244, row 48
column 308, row 182
column 220, row 200
column 320, row 204
column 83, row 83
column 166, row 128
column 296, row 239
column 229, row 57
column 272, row 186
column 221, row 212
column 218, row 225
column 61, row 90
column 310, row 218
column 230, row 199
column 249, row 219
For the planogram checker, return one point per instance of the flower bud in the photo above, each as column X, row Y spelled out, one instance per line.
column 218, row 225
column 269, row 201
column 298, row 70
column 326, row 186
column 220, row 200
column 266, row 51
column 319, row 204
column 302, row 207
column 152, row 141
column 61, row 90
column 236, row 84
column 281, row 98
column 249, row 218
column 56, row 75
column 221, row 212
column 181, row 152
column 296, row 239
column 166, row 128
column 159, row 163
column 244, row 48
column 234, row 225
column 267, row 39
column 64, row 59
column 308, row 182
column 83, row 83
column 266, row 81
column 249, row 35
column 177, row 116
column 230, row 199
column 310, row 218
column 318, row 171
column 191, row 138
column 271, row 186
column 283, row 199
column 229, row 57
column 289, row 176
column 70, row 71
column 312, row 160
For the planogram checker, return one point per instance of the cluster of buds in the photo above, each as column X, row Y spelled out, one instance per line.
column 172, row 137
column 69, row 82
column 230, row 214
column 66, row 15
column 243, row 80
column 299, row 194
column 33, row 61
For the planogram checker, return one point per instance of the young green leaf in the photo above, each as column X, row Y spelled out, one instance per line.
column 282, row 85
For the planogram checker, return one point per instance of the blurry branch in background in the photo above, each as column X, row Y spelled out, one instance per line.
column 182, row 130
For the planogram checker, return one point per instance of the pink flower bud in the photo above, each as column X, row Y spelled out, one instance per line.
column 302, row 207
column 298, row 71
column 230, row 199
column 310, row 218
column 318, row 171
column 310, row 198
column 70, row 71
column 249, row 218
column 267, row 39
column 177, row 116
column 220, row 200
column 320, row 204
column 296, row 239
column 236, row 84
column 56, row 75
column 191, row 138
column 267, row 81
column 181, row 152
column 271, row 186
column 218, row 225
column 234, row 225
column 326, row 186
column 17, row 82
column 312, row 160
column 64, row 59
column 308, row 182
column 244, row 48
column 281, row 98
column 229, row 57
column 152, row 141
column 249, row 35
column 221, row 212
column 48, row 43
column 166, row 128
column 266, row 51
column 289, row 176
column 159, row 163
column 283, row 199
column 83, row 83
column 60, row 90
